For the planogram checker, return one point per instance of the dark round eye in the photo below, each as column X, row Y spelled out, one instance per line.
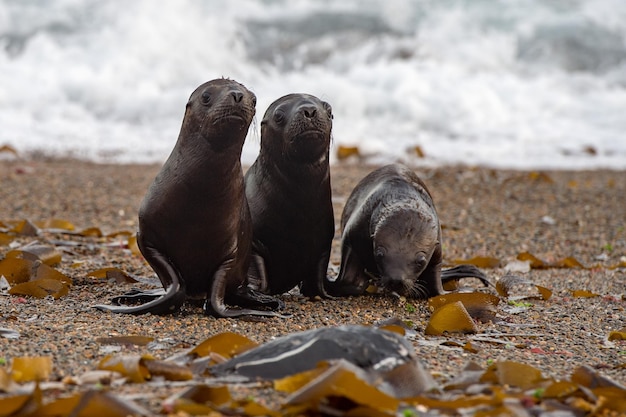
column 253, row 100
column 379, row 253
column 328, row 108
column 206, row 97
column 420, row 260
column 279, row 116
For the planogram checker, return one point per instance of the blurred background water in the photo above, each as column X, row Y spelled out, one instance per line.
column 510, row 83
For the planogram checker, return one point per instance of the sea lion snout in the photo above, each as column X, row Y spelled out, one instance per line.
column 308, row 110
column 309, row 115
column 239, row 93
column 239, row 99
column 236, row 95
column 232, row 108
column 399, row 272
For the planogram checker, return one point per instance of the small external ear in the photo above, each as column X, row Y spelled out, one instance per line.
column 420, row 259
column 379, row 253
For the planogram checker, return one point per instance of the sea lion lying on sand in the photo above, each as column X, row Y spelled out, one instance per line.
column 391, row 233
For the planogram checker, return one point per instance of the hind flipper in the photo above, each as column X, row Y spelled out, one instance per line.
column 215, row 304
column 257, row 273
column 352, row 279
column 173, row 294
column 464, row 271
column 315, row 283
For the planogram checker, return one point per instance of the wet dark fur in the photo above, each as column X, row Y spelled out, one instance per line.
column 194, row 222
column 392, row 237
column 288, row 190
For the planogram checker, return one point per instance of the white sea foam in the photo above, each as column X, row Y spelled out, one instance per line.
column 521, row 84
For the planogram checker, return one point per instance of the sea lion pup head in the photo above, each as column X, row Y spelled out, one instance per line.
column 298, row 127
column 404, row 240
column 219, row 111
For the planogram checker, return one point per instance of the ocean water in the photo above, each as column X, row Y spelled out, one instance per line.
column 510, row 83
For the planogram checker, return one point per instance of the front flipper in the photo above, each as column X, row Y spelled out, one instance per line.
column 257, row 273
column 464, row 271
column 352, row 279
column 215, row 304
column 314, row 284
column 254, row 294
column 173, row 294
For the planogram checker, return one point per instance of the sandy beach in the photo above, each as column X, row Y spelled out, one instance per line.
column 490, row 213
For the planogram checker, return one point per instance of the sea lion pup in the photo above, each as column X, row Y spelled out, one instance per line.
column 391, row 233
column 194, row 222
column 288, row 190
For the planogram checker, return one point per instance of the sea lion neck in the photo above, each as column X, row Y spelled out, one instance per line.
column 222, row 141
column 290, row 171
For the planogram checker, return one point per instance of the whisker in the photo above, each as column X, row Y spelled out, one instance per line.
column 418, row 290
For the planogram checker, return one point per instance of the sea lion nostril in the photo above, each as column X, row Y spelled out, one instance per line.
column 309, row 112
column 237, row 95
